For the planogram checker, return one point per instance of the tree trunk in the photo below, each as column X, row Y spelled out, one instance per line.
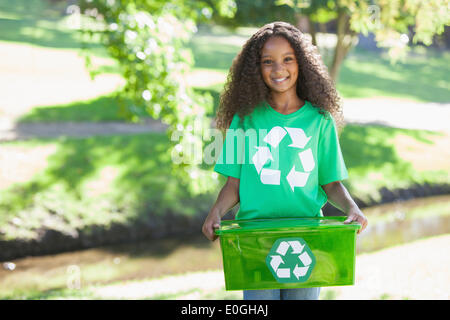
column 305, row 25
column 313, row 32
column 343, row 44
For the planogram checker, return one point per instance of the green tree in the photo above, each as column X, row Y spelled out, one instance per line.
column 257, row 13
column 389, row 20
column 147, row 38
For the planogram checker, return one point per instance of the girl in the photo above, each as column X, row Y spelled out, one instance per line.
column 279, row 86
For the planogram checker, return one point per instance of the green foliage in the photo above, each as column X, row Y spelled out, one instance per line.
column 388, row 20
column 258, row 13
column 320, row 11
column 147, row 40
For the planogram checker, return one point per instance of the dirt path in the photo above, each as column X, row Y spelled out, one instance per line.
column 10, row 131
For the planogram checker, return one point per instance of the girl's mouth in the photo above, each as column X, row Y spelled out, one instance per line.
column 280, row 80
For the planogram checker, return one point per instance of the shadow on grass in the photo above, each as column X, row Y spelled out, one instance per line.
column 366, row 74
column 103, row 108
column 145, row 163
column 370, row 150
column 40, row 23
column 25, row 9
column 143, row 188
column 370, row 146
column 367, row 146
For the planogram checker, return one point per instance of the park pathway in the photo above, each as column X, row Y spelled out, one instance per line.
column 11, row 131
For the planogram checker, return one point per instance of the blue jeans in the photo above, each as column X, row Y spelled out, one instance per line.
column 283, row 294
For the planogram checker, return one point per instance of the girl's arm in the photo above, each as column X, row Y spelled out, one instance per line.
column 339, row 197
column 228, row 197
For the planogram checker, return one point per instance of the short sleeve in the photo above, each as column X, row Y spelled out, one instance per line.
column 229, row 162
column 331, row 161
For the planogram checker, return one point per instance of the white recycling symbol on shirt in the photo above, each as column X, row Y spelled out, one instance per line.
column 263, row 154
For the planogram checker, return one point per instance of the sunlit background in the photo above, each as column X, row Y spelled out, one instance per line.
column 91, row 206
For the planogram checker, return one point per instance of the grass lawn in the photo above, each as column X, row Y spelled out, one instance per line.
column 42, row 23
column 423, row 77
column 42, row 67
column 98, row 180
column 102, row 108
column 378, row 157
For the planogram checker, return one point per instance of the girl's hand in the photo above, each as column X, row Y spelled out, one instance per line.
column 212, row 222
column 354, row 214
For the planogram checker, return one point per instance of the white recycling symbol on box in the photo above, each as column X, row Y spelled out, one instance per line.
column 290, row 260
column 263, row 154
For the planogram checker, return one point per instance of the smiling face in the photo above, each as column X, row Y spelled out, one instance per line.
column 279, row 67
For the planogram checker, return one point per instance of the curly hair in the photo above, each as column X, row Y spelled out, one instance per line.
column 245, row 87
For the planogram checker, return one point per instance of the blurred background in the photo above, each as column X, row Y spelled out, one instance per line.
column 92, row 205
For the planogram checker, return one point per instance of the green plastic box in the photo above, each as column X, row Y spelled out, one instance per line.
column 288, row 253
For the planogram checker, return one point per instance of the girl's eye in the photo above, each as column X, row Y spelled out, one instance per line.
column 267, row 61
column 288, row 59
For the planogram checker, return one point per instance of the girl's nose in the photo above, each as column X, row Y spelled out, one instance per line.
column 277, row 67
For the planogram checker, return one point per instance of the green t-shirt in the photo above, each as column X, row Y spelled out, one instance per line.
column 282, row 161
